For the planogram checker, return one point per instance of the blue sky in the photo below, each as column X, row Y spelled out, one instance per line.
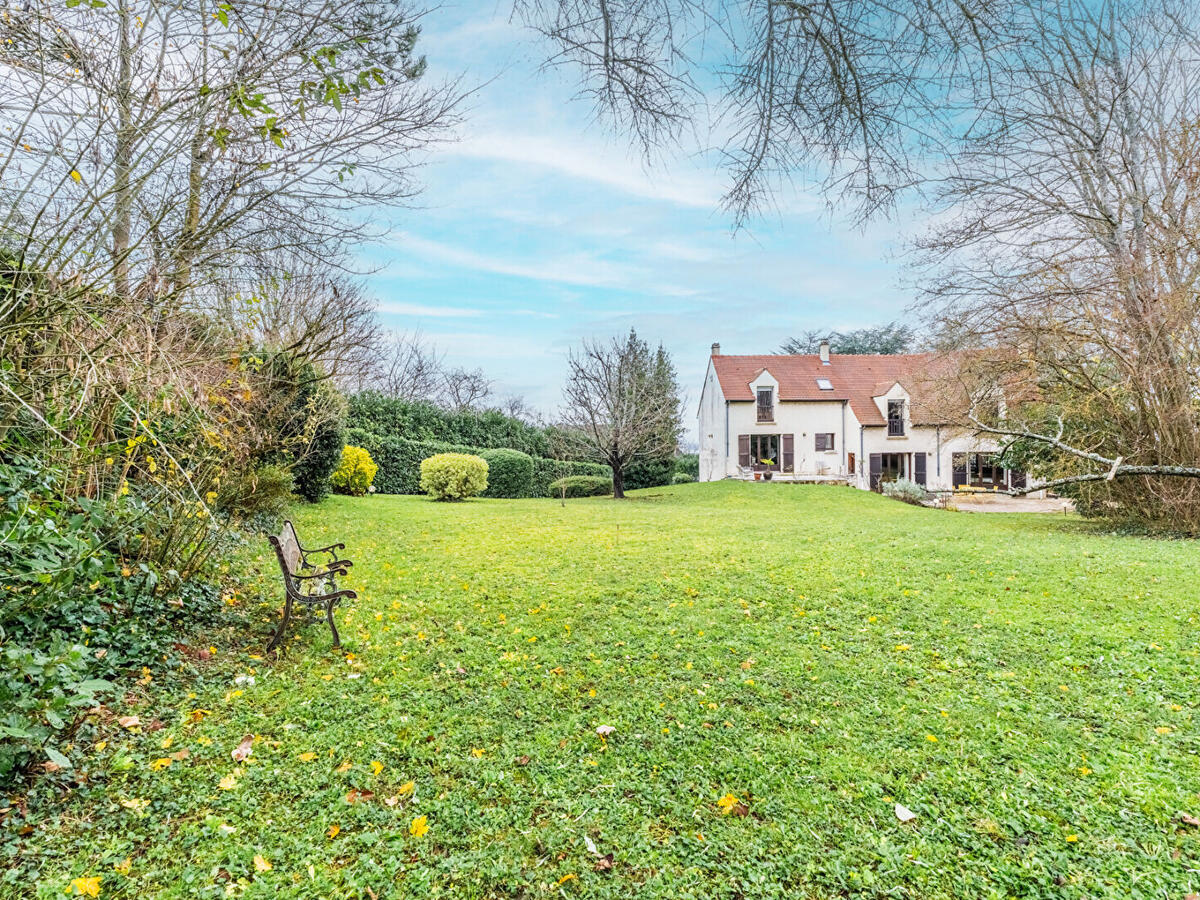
column 538, row 228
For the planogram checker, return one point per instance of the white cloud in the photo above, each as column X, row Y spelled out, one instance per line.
column 591, row 162
column 579, row 269
column 436, row 312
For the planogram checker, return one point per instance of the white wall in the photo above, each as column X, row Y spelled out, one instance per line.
column 712, row 428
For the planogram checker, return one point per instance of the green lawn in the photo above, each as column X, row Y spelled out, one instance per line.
column 1024, row 684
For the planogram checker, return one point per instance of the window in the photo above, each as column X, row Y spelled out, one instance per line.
column 825, row 440
column 895, row 418
column 825, row 384
column 766, row 406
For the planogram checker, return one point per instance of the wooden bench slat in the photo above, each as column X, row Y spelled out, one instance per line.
column 295, row 569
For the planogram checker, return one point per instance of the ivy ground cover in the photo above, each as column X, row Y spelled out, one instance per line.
column 707, row 691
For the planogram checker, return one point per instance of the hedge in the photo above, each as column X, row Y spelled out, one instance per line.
column 487, row 429
column 510, row 473
column 399, row 461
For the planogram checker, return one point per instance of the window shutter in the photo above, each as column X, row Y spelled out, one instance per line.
column 919, row 468
column 876, row 470
column 849, row 463
column 788, row 453
column 744, row 450
column 959, row 476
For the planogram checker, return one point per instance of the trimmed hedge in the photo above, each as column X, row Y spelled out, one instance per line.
column 688, row 464
column 682, row 478
column 487, row 429
column 510, row 473
column 582, row 486
column 399, row 461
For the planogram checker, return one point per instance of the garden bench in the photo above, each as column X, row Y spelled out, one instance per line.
column 305, row 583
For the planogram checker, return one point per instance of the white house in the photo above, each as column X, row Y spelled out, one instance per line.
column 858, row 420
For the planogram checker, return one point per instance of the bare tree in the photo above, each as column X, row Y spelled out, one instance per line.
column 404, row 365
column 152, row 147
column 464, row 388
column 621, row 404
column 889, row 339
column 861, row 90
column 1069, row 241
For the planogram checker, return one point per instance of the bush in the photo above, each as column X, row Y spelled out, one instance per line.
column 682, row 478
column 453, row 476
column 510, row 473
column 313, row 472
column 906, row 491
column 260, row 495
column 582, row 486
column 547, row 471
column 688, row 464
column 647, row 473
column 356, row 472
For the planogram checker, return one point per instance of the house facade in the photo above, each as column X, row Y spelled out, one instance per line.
column 858, row 420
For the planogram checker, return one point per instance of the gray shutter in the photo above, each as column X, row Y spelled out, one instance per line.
column 744, row 450
column 919, row 468
column 876, row 470
column 788, row 452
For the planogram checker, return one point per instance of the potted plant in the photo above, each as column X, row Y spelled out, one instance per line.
column 767, row 462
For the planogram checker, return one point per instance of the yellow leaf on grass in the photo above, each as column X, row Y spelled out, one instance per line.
column 728, row 803
column 477, row 753
column 345, row 767
column 86, row 887
column 419, row 826
column 261, row 864
column 159, row 764
column 376, row 766
column 567, row 877
column 124, row 866
column 334, row 831
column 229, row 782
column 307, row 757
column 407, row 788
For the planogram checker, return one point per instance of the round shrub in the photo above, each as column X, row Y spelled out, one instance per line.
column 453, row 476
column 581, row 486
column 510, row 473
column 356, row 472
column 682, row 478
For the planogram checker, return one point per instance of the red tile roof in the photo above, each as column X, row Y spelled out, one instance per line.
column 856, row 379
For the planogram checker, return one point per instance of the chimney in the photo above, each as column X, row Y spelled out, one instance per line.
column 716, row 349
column 824, row 353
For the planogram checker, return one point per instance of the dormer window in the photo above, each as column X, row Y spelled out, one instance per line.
column 766, row 405
column 824, row 384
column 895, row 418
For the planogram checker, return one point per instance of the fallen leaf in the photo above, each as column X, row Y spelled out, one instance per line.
column 129, row 721
column 567, row 877
column 357, row 796
column 605, row 730
column 376, row 766
column 307, row 757
column 242, row 751
column 159, row 764
column 86, row 887
column 181, row 755
column 419, row 826
column 1189, row 820
column 604, row 863
column 261, row 864
column 407, row 788
column 334, row 831
column 522, row 760
column 123, row 866
column 904, row 814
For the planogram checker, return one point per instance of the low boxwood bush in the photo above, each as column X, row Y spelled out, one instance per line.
column 688, row 464
column 547, row 471
column 510, row 473
column 582, row 486
column 454, row 476
column 356, row 473
column 905, row 490
column 682, row 478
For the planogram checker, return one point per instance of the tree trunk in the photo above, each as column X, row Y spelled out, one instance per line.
column 123, row 160
column 618, row 484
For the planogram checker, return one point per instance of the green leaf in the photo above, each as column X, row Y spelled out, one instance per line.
column 57, row 758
